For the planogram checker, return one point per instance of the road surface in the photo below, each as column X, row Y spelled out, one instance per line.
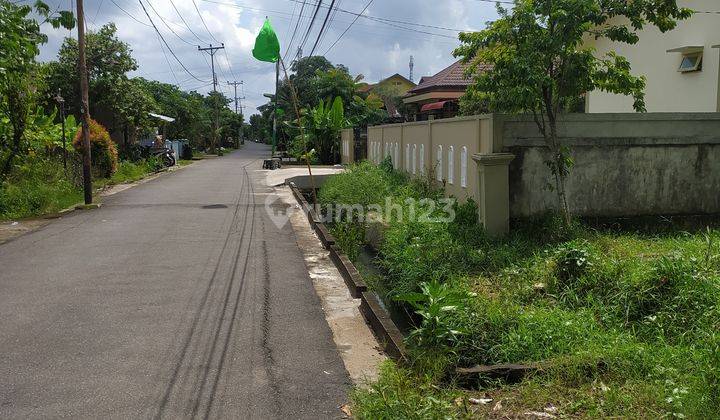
column 179, row 298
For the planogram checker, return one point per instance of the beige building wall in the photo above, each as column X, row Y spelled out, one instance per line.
column 669, row 90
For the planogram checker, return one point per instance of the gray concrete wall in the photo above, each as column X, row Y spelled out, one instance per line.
column 625, row 164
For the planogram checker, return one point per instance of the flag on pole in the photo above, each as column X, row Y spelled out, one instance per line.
column 267, row 46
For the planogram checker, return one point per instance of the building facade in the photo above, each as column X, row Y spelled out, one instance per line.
column 682, row 66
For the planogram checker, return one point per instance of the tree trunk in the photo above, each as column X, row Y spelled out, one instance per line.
column 560, row 171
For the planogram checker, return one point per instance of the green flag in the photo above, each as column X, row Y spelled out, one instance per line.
column 267, row 46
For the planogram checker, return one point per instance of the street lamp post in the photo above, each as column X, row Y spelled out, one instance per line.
column 61, row 101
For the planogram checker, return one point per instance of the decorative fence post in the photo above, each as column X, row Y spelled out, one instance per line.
column 494, row 191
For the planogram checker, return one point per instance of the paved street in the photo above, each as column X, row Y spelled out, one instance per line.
column 179, row 298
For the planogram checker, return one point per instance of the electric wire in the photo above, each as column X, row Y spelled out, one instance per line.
column 167, row 45
column 349, row 26
column 322, row 28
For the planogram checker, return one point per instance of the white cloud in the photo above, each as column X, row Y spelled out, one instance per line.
column 375, row 49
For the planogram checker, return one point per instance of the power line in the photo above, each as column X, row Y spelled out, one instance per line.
column 203, row 21
column 168, row 46
column 349, row 26
column 166, row 24
column 322, row 28
column 297, row 24
column 130, row 14
column 185, row 22
column 312, row 22
column 330, row 22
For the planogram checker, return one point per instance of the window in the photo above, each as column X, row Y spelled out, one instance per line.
column 439, row 168
column 451, row 165
column 691, row 57
column 691, row 62
column 422, row 158
column 463, row 167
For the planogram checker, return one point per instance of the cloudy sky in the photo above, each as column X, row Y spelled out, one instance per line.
column 377, row 45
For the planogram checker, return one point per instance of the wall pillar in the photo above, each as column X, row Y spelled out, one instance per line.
column 493, row 195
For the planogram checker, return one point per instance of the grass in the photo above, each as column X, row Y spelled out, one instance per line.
column 38, row 186
column 625, row 320
column 128, row 171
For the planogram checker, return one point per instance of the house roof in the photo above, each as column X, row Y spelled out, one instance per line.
column 370, row 86
column 451, row 77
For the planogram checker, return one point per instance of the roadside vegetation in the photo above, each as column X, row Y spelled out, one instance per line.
column 623, row 322
column 39, row 173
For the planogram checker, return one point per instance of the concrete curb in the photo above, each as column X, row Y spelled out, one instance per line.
column 350, row 274
column 371, row 308
column 380, row 322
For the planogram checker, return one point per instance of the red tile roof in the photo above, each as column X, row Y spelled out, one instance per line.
column 452, row 77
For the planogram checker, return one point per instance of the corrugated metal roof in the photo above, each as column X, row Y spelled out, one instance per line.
column 162, row 117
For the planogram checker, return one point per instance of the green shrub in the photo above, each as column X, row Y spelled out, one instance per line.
column 362, row 183
column 35, row 187
column 403, row 394
column 349, row 236
column 102, row 150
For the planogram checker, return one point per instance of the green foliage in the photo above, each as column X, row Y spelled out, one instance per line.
column 102, row 150
column 362, row 183
column 628, row 317
column 322, row 127
column 402, row 394
column 540, row 66
column 437, row 305
column 20, row 39
column 35, row 187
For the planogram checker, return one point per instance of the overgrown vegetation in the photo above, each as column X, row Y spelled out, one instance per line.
column 540, row 63
column 619, row 319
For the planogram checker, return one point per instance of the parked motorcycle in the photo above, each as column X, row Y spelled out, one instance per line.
column 165, row 154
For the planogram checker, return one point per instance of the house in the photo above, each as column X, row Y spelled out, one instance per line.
column 395, row 85
column 438, row 96
column 682, row 66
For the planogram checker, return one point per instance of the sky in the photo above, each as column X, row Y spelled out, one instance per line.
column 379, row 44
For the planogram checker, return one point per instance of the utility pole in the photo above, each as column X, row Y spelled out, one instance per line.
column 84, row 104
column 275, row 121
column 61, row 101
column 212, row 50
column 235, row 84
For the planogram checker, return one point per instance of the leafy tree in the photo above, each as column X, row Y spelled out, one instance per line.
column 115, row 100
column 20, row 38
column 259, row 128
column 540, row 64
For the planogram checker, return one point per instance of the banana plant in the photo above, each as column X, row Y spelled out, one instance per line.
column 323, row 124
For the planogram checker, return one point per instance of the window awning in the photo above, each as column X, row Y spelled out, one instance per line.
column 687, row 49
column 433, row 106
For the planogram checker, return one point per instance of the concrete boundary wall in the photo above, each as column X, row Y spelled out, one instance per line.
column 441, row 148
column 625, row 164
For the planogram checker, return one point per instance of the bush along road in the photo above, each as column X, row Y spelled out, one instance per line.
column 602, row 321
column 177, row 298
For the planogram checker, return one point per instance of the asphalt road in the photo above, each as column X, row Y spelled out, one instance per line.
column 179, row 298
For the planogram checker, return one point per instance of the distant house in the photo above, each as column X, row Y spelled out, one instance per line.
column 682, row 66
column 396, row 84
column 437, row 96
